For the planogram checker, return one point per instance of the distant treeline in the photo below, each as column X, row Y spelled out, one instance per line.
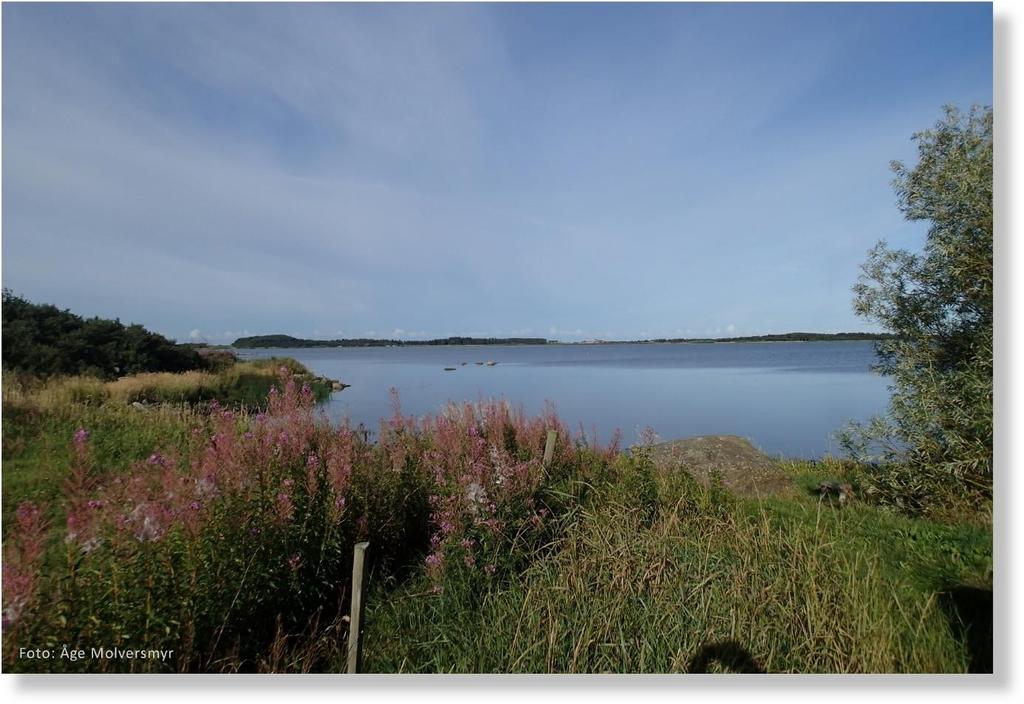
column 289, row 341
column 787, row 337
column 286, row 341
column 43, row 340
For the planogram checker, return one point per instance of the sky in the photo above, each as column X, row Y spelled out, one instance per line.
column 417, row 171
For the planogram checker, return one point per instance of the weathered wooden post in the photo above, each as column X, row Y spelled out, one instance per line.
column 355, row 625
column 549, row 448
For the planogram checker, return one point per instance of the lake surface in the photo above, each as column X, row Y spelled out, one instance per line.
column 787, row 398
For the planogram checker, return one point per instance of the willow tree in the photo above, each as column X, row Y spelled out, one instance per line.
column 938, row 302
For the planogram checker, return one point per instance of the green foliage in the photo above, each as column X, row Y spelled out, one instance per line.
column 600, row 562
column 714, row 583
column 937, row 443
column 44, row 340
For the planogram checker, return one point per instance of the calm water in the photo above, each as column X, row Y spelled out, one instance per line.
column 787, row 398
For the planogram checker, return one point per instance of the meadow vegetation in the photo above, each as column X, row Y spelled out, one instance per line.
column 227, row 536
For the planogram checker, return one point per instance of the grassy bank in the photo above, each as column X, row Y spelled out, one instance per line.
column 230, row 383
column 698, row 581
column 226, row 536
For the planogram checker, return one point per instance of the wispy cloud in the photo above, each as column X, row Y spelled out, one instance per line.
column 445, row 168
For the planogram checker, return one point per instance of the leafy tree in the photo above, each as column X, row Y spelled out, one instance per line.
column 43, row 340
column 939, row 305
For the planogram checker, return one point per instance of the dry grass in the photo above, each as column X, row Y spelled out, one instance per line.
column 163, row 386
column 245, row 382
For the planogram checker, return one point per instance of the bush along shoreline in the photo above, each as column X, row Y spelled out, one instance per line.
column 225, row 538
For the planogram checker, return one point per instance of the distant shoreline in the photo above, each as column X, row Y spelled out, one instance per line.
column 289, row 342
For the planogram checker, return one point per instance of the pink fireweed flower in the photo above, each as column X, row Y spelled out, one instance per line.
column 490, row 569
column 23, row 549
column 81, row 437
column 312, row 474
column 294, row 562
column 80, row 519
column 285, row 507
column 469, row 560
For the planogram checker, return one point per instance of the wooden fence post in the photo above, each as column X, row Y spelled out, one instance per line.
column 549, row 448
column 355, row 625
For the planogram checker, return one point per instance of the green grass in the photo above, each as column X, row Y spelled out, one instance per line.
column 37, row 448
column 712, row 584
column 642, row 572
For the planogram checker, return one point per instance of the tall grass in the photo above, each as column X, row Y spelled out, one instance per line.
column 711, row 585
column 237, row 384
column 226, row 536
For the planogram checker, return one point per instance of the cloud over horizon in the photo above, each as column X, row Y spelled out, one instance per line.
column 600, row 171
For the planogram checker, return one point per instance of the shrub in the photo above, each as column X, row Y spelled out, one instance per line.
column 938, row 303
column 45, row 341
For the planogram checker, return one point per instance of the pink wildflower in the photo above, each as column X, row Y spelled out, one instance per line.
column 285, row 507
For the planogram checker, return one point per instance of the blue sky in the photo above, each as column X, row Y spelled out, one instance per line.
column 562, row 171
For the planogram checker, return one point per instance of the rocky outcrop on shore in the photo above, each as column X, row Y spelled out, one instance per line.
column 743, row 469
